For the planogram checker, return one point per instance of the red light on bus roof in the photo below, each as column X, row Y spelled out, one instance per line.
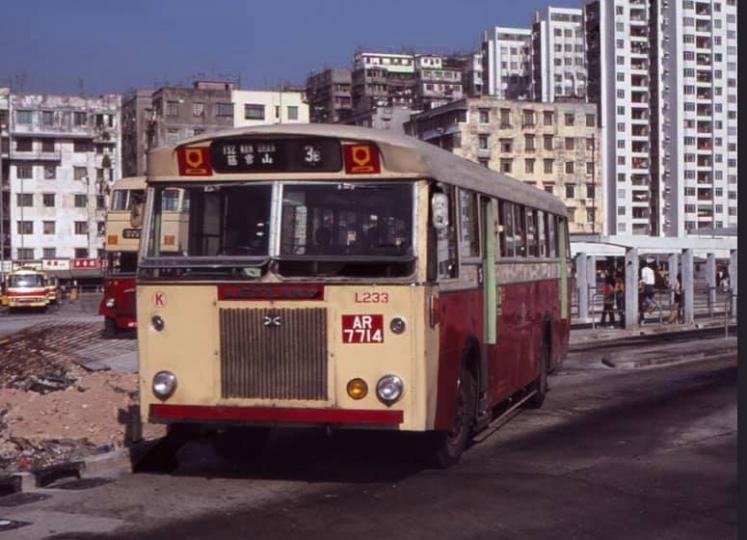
column 194, row 161
column 362, row 158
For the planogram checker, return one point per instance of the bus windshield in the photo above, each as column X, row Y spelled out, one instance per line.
column 30, row 280
column 330, row 229
column 346, row 229
column 124, row 199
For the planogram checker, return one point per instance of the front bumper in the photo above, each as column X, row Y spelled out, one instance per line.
column 161, row 413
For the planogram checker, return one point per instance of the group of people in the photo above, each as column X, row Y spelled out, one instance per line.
column 613, row 293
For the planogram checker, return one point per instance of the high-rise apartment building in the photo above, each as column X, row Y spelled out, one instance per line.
column 63, row 153
column 663, row 73
column 507, row 60
column 438, row 80
column 329, row 95
column 558, row 54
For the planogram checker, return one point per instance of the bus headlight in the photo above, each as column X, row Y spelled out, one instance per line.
column 110, row 303
column 389, row 389
column 397, row 325
column 164, row 384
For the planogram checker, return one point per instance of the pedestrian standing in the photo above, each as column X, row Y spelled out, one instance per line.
column 676, row 314
column 608, row 301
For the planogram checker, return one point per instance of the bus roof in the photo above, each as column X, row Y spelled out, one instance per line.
column 131, row 182
column 400, row 154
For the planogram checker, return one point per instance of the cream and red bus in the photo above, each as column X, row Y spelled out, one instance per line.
column 123, row 228
column 124, row 221
column 26, row 288
column 346, row 277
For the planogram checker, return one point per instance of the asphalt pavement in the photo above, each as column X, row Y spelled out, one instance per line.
column 614, row 453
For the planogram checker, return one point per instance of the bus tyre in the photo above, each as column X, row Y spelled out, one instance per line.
column 540, row 383
column 448, row 446
column 237, row 444
column 163, row 457
column 110, row 328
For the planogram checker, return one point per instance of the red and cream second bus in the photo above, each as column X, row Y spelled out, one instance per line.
column 124, row 221
column 346, row 277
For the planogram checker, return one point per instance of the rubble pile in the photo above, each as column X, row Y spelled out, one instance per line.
column 52, row 409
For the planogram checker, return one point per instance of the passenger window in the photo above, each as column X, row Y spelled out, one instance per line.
column 531, row 232
column 541, row 233
column 552, row 237
column 447, row 265
column 520, row 239
column 469, row 240
column 506, row 228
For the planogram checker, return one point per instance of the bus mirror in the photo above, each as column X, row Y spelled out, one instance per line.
column 439, row 211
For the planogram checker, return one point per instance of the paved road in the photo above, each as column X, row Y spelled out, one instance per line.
column 645, row 453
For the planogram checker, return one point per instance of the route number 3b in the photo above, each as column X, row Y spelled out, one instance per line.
column 363, row 329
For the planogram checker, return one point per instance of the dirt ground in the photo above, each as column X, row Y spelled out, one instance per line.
column 52, row 409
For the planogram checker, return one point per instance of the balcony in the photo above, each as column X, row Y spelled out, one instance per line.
column 705, row 177
column 641, row 213
column 639, row 48
column 639, row 80
column 36, row 155
column 703, row 59
column 640, row 163
column 704, row 93
column 705, row 127
column 639, row 115
column 704, row 77
column 638, row 64
column 639, row 32
column 641, row 196
column 638, row 16
column 639, row 98
column 705, row 144
column 705, row 161
column 702, row 9
column 703, row 43
column 640, row 179
column 640, row 147
column 702, row 25
column 705, row 194
column 640, row 131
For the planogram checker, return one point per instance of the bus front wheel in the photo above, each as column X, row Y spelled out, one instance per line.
column 539, row 386
column 448, row 446
column 110, row 328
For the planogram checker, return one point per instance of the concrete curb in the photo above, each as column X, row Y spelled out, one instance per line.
column 650, row 363
column 110, row 464
column 620, row 335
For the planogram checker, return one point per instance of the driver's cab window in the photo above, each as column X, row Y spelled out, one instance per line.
column 447, row 265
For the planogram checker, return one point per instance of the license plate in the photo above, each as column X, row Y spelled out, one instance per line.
column 363, row 329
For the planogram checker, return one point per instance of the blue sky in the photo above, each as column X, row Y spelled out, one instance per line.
column 114, row 45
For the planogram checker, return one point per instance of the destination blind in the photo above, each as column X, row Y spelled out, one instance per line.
column 274, row 155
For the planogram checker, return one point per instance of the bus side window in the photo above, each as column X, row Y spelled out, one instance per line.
column 469, row 230
column 506, row 225
column 552, row 238
column 520, row 239
column 531, row 232
column 567, row 246
column 445, row 241
column 541, row 233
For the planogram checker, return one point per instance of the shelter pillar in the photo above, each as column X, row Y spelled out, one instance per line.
column 631, row 287
column 582, row 287
column 688, row 286
column 674, row 268
column 711, row 280
column 733, row 280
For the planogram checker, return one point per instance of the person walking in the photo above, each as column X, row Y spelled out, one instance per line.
column 648, row 280
column 620, row 298
column 676, row 314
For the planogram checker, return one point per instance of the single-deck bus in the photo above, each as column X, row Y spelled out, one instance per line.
column 346, row 277
column 27, row 288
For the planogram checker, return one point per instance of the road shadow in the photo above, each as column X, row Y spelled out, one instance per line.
column 295, row 454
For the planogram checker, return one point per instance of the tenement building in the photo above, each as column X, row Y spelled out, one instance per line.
column 329, row 95
column 552, row 146
column 258, row 107
column 663, row 73
column 171, row 114
column 62, row 155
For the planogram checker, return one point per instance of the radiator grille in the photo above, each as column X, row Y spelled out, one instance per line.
column 274, row 353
